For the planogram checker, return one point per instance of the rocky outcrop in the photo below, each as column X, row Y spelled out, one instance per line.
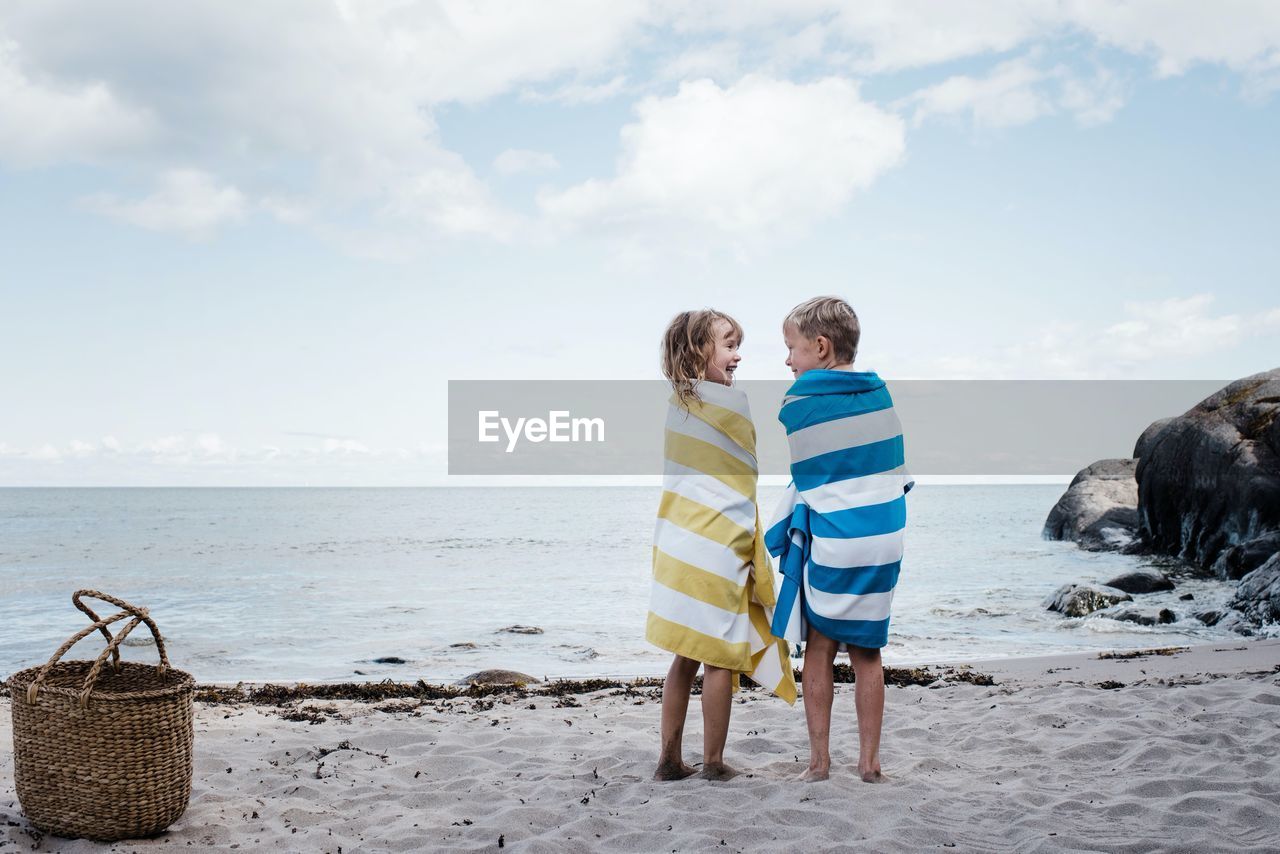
column 1209, row 480
column 1142, row 580
column 1099, row 510
column 1077, row 600
column 1206, row 490
column 1258, row 596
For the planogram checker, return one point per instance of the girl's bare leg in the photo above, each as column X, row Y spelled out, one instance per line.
column 868, row 699
column 675, row 706
column 717, row 703
column 819, row 656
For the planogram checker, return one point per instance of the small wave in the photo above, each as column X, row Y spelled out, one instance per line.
column 968, row 612
column 1105, row 625
column 578, row 653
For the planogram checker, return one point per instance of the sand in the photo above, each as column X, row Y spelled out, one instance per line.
column 1155, row 753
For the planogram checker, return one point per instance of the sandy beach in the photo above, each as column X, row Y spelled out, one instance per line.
column 1176, row 751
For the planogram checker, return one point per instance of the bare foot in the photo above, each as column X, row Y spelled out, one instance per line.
column 874, row 775
column 815, row 774
column 717, row 771
column 673, row 771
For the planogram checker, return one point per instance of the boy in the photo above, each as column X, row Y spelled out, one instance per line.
column 838, row 532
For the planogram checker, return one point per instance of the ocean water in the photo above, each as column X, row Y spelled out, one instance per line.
column 316, row 584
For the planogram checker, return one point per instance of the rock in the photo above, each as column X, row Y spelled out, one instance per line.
column 389, row 659
column 1149, row 437
column 521, row 630
column 1258, row 596
column 463, row 645
column 1209, row 480
column 1240, row 560
column 1142, row 616
column 1099, row 509
column 1210, row 617
column 499, row 677
column 1143, row 580
column 1187, row 597
column 1236, row 622
column 1077, row 600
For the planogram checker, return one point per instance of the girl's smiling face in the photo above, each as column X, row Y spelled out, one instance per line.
column 725, row 357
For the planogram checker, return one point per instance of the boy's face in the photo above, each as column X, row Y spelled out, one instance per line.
column 725, row 358
column 804, row 354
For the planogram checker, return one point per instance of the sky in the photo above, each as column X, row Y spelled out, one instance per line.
column 250, row 244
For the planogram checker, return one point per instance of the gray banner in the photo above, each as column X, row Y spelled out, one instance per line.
column 950, row 427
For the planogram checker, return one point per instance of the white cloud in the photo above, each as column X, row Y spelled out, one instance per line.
column 345, row 447
column 1017, row 92
column 324, row 114
column 759, row 155
column 890, row 35
column 1153, row 334
column 1009, row 95
column 580, row 93
column 47, row 453
column 1242, row 34
column 49, row 121
column 211, row 445
column 467, row 51
column 165, row 446
column 187, row 201
column 209, row 459
column 896, row 34
column 1172, row 327
column 323, row 111
column 514, row 161
column 720, row 61
column 1092, row 100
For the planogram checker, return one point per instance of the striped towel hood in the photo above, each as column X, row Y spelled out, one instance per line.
column 838, row 531
column 713, row 584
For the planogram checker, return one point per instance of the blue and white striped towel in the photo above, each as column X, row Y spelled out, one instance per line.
column 838, row 531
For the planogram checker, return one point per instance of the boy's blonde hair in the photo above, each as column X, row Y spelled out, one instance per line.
column 687, row 347
column 834, row 319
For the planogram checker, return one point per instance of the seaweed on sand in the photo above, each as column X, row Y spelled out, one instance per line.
column 1141, row 653
column 378, row 692
column 904, row 676
column 422, row 691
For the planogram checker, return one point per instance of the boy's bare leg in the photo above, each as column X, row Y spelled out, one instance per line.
column 675, row 706
column 868, row 699
column 717, row 703
column 819, row 656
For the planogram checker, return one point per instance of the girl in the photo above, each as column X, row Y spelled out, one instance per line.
column 713, row 588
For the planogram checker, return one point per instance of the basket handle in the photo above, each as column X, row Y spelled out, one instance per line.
column 139, row 615
column 77, row 599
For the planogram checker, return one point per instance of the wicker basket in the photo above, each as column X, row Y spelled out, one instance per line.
column 103, row 753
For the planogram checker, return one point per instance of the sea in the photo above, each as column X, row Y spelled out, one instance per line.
column 324, row 585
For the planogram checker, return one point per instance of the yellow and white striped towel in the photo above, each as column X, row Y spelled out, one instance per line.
column 713, row 584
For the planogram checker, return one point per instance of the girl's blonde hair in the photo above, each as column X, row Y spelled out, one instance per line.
column 687, row 348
